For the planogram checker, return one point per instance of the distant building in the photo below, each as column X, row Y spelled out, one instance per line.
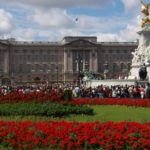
column 62, row 61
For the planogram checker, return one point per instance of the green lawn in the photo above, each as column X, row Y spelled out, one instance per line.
column 102, row 113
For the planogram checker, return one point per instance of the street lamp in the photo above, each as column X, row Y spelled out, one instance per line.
column 79, row 61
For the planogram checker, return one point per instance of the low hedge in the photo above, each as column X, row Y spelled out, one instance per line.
column 46, row 109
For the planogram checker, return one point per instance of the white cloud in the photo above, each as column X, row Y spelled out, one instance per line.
column 130, row 4
column 129, row 33
column 29, row 34
column 52, row 18
column 57, row 34
column 6, row 23
column 103, row 24
column 54, row 22
column 99, row 29
column 60, row 19
column 108, row 37
column 46, row 4
column 126, row 28
column 24, row 34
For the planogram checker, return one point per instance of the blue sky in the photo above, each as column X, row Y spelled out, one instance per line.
column 51, row 20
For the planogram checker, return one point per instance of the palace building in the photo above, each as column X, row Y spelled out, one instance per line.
column 63, row 61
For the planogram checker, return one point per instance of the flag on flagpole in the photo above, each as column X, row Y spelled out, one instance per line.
column 76, row 19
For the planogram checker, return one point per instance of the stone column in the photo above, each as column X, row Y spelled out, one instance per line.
column 95, row 62
column 6, row 62
column 69, row 61
column 65, row 64
column 65, row 61
column 84, row 61
column 91, row 62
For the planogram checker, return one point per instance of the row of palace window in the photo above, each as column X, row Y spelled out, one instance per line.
column 116, row 57
column 37, row 68
column 115, row 67
column 117, row 51
column 38, row 58
column 45, row 78
column 49, row 52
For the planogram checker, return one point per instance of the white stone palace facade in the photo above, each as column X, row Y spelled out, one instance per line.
column 60, row 61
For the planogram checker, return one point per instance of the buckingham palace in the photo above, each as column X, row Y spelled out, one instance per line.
column 61, row 61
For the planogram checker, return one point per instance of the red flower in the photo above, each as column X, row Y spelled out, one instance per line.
column 69, row 135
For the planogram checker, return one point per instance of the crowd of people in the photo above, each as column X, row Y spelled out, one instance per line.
column 102, row 91
column 142, row 91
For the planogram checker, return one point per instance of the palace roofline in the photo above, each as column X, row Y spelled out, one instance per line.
column 65, row 40
column 118, row 43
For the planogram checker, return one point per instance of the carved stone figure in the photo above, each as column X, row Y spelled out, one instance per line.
column 136, row 57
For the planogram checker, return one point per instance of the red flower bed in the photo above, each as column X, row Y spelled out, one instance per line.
column 58, row 97
column 30, row 97
column 112, row 101
column 77, row 136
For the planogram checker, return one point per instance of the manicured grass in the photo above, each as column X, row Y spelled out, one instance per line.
column 102, row 113
column 117, row 114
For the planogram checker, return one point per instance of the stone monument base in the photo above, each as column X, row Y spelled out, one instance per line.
column 141, row 56
column 135, row 73
column 114, row 82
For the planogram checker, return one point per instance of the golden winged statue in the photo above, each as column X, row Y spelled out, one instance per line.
column 145, row 10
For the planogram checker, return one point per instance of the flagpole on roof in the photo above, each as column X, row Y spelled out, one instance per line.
column 76, row 20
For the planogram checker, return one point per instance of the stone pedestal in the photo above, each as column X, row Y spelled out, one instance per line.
column 142, row 54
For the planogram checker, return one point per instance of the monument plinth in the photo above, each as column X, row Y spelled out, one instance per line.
column 141, row 55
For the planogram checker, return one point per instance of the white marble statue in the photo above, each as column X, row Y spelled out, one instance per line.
column 142, row 53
